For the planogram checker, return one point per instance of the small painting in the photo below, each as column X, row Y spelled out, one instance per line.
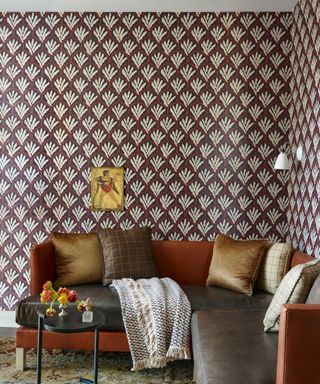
column 107, row 189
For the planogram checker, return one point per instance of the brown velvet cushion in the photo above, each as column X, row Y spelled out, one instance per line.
column 127, row 253
column 78, row 258
column 235, row 263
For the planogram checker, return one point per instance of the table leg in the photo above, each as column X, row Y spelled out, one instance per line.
column 95, row 360
column 39, row 350
column 95, row 355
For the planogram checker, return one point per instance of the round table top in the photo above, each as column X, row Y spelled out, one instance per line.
column 72, row 323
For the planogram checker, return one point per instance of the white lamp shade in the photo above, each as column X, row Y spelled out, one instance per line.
column 282, row 161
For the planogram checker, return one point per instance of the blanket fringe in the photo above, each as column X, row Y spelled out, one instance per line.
column 173, row 353
column 178, row 353
column 154, row 362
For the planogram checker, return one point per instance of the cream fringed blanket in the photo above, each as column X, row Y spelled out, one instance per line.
column 156, row 315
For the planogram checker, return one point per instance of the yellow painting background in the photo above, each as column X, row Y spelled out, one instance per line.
column 107, row 201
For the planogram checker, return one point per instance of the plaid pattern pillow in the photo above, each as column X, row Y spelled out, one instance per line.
column 274, row 266
column 294, row 288
column 127, row 254
column 314, row 295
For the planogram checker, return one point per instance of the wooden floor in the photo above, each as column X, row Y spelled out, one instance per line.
column 7, row 332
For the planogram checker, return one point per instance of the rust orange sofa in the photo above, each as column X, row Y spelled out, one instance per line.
column 188, row 264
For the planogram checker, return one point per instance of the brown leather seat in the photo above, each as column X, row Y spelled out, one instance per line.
column 220, row 298
column 106, row 300
column 231, row 347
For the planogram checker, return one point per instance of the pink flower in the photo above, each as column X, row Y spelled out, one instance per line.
column 73, row 296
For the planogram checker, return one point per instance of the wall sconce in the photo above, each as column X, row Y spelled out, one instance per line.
column 282, row 162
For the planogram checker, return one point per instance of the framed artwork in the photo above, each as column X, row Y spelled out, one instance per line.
column 107, row 189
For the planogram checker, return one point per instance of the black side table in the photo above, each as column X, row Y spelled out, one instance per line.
column 70, row 324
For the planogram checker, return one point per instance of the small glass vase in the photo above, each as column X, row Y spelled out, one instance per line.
column 87, row 316
column 63, row 313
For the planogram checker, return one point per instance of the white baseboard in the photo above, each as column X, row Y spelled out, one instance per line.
column 8, row 319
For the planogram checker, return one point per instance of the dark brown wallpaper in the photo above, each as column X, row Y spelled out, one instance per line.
column 304, row 186
column 194, row 106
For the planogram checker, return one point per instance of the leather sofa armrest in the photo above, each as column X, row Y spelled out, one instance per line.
column 299, row 344
column 43, row 266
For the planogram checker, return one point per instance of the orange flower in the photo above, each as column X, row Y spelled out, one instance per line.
column 63, row 299
column 45, row 296
column 63, row 291
column 47, row 285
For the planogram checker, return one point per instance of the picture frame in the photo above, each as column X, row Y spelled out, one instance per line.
column 107, row 189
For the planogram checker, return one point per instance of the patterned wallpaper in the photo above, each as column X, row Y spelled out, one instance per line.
column 304, row 186
column 194, row 106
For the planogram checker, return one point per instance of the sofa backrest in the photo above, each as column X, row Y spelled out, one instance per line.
column 187, row 262
column 299, row 257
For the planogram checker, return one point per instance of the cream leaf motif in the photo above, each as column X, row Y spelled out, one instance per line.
column 194, row 106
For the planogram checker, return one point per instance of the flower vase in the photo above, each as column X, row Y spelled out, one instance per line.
column 63, row 312
column 87, row 316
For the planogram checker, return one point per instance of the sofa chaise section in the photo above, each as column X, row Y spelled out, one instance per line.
column 229, row 346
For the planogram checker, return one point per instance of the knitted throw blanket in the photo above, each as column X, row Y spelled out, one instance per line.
column 156, row 315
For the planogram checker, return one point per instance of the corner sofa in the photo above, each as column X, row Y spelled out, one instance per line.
column 228, row 341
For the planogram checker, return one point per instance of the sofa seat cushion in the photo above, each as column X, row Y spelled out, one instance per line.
column 231, row 347
column 211, row 297
column 104, row 299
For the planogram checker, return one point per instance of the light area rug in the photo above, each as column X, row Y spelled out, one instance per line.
column 68, row 366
